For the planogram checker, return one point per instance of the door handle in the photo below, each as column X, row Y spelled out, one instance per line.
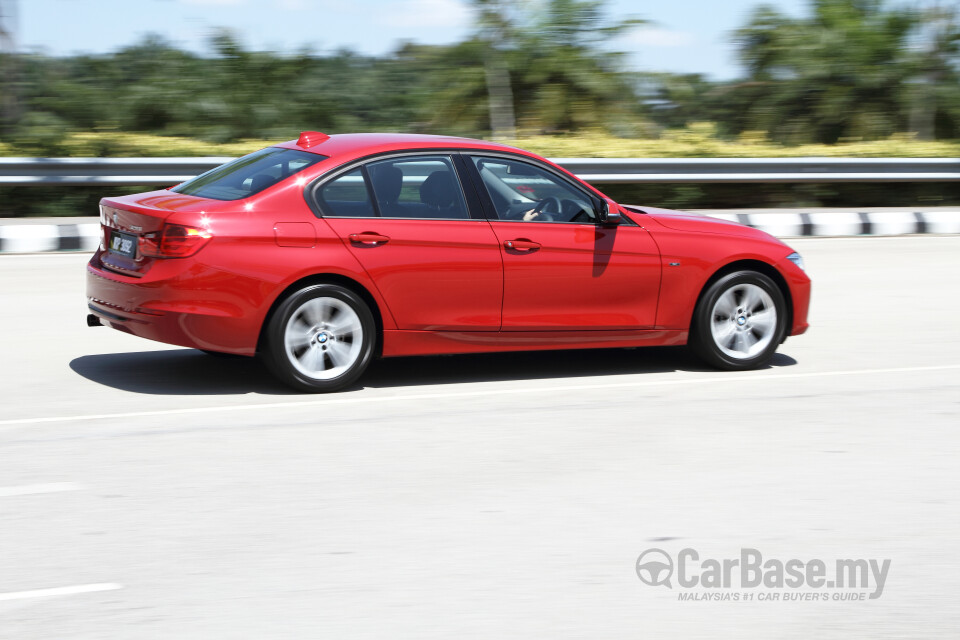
column 369, row 238
column 521, row 244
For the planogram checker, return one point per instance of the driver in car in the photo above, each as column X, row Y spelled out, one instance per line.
column 551, row 209
column 539, row 207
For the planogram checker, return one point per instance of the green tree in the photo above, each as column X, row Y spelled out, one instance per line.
column 839, row 74
column 935, row 106
column 497, row 34
column 568, row 77
column 548, row 65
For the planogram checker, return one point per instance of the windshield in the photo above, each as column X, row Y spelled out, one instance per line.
column 249, row 175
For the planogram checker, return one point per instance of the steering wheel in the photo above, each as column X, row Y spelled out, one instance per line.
column 548, row 215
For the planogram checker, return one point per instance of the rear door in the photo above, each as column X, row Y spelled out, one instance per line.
column 562, row 271
column 407, row 221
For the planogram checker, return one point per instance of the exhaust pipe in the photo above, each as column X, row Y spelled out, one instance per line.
column 93, row 321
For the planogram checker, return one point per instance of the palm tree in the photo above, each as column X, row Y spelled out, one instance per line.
column 9, row 107
column 839, row 74
column 496, row 31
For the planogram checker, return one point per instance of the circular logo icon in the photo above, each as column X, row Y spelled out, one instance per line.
column 655, row 567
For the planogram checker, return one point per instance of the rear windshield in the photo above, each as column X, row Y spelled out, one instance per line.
column 249, row 175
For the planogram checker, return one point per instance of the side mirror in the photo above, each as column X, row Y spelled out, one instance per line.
column 609, row 217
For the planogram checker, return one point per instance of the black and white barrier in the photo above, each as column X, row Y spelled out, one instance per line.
column 878, row 222
column 19, row 236
column 83, row 234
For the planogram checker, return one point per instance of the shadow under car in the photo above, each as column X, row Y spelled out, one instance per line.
column 192, row 372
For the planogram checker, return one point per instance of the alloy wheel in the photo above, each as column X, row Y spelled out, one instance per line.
column 323, row 338
column 743, row 321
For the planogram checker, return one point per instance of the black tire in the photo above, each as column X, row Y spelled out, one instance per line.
column 734, row 355
column 289, row 361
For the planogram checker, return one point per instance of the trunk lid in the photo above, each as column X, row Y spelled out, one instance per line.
column 125, row 219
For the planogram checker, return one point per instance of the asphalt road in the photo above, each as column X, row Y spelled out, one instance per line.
column 155, row 492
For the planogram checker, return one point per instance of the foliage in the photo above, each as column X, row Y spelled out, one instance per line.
column 567, row 79
column 853, row 78
column 698, row 140
column 853, row 70
column 845, row 72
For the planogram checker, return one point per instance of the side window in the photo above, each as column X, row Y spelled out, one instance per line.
column 346, row 197
column 417, row 187
column 526, row 193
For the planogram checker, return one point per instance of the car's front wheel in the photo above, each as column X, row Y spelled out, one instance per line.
column 739, row 322
column 321, row 338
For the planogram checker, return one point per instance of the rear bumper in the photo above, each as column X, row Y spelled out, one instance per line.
column 202, row 309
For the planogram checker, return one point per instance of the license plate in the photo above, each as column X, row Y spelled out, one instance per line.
column 123, row 244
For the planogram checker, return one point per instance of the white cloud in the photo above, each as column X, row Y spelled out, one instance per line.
column 429, row 14
column 659, row 37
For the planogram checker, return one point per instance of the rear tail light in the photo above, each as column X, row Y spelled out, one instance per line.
column 175, row 241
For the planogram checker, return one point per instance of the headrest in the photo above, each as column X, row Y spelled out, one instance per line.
column 260, row 182
column 439, row 190
column 387, row 182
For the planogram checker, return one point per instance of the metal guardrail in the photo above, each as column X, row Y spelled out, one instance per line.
column 102, row 171
column 167, row 171
column 662, row 170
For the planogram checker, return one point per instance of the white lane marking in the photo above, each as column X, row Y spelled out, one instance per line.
column 364, row 399
column 61, row 591
column 33, row 489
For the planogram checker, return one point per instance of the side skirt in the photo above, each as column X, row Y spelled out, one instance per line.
column 419, row 343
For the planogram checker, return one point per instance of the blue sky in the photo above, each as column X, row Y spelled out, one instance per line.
column 687, row 35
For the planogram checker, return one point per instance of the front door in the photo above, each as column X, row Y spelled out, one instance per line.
column 562, row 271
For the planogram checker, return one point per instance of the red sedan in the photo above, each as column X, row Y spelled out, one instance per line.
column 322, row 253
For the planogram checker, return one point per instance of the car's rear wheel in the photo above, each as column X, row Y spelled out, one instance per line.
column 739, row 322
column 320, row 338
